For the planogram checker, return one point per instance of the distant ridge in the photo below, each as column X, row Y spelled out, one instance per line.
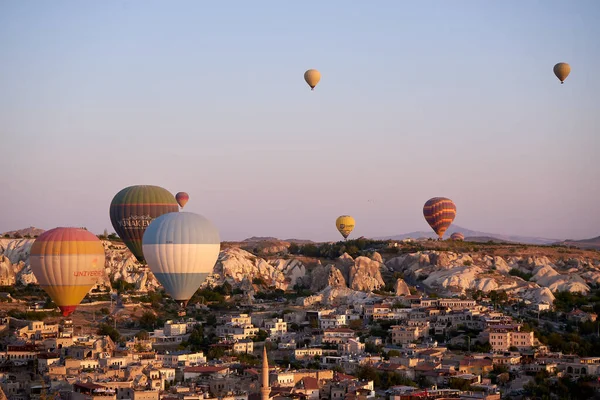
column 261, row 239
column 257, row 239
column 32, row 231
column 593, row 243
column 477, row 235
column 485, row 239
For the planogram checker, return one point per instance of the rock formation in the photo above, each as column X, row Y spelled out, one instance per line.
column 401, row 288
column 365, row 275
column 348, row 279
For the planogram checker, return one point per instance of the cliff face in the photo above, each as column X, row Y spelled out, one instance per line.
column 442, row 272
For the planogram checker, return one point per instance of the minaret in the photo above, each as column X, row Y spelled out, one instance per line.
column 264, row 387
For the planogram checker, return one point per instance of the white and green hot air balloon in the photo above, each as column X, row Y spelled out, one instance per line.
column 181, row 249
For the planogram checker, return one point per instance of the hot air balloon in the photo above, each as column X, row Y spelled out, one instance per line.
column 181, row 249
column 312, row 77
column 345, row 224
column 457, row 236
column 562, row 70
column 439, row 213
column 182, row 198
column 67, row 262
column 132, row 210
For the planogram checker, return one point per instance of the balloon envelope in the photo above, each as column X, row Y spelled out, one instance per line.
column 562, row 70
column 312, row 77
column 345, row 224
column 67, row 263
column 181, row 249
column 132, row 210
column 457, row 236
column 182, row 198
column 439, row 213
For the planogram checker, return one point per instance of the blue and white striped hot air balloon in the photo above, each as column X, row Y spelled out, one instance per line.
column 181, row 249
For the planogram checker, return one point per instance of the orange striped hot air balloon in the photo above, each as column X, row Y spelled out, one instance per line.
column 457, row 236
column 67, row 263
column 439, row 213
column 182, row 198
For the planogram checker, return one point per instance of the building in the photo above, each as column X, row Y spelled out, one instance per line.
column 404, row 335
column 175, row 328
column 352, row 346
column 181, row 358
column 236, row 332
column 38, row 330
column 332, row 321
column 476, row 366
column 236, row 319
column 308, row 353
column 275, row 326
column 91, row 391
column 338, row 335
column 503, row 337
column 264, row 387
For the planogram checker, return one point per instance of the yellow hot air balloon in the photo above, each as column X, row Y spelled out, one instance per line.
column 562, row 70
column 67, row 263
column 312, row 77
column 345, row 224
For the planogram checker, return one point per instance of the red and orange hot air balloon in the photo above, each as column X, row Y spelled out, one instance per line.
column 457, row 236
column 182, row 198
column 67, row 263
column 439, row 213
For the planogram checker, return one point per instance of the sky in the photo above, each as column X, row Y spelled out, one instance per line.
column 417, row 99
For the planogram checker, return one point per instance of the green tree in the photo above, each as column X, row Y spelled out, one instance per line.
column 356, row 324
column 261, row 336
column 107, row 330
column 142, row 335
column 216, row 352
column 148, row 320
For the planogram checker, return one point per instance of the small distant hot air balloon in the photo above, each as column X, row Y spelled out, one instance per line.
column 132, row 210
column 182, row 198
column 345, row 224
column 562, row 70
column 312, row 77
column 67, row 263
column 181, row 249
column 439, row 213
column 457, row 236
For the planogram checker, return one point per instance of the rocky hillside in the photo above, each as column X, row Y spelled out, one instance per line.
column 593, row 243
column 531, row 273
column 30, row 232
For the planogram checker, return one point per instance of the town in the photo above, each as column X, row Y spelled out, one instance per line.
column 403, row 347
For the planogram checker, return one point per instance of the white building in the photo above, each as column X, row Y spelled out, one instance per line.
column 175, row 328
column 275, row 326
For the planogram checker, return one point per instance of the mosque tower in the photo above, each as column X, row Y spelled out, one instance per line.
column 264, row 387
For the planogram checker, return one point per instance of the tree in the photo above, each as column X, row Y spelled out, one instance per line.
column 294, row 248
column 211, row 320
column 393, row 353
column 459, row 384
column 142, row 335
column 356, row 324
column 370, row 374
column 216, row 352
column 105, row 329
column 261, row 336
column 148, row 320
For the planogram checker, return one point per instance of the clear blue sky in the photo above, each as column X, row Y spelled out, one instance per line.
column 417, row 99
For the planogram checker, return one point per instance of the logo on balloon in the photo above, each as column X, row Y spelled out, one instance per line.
column 135, row 222
column 88, row 273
